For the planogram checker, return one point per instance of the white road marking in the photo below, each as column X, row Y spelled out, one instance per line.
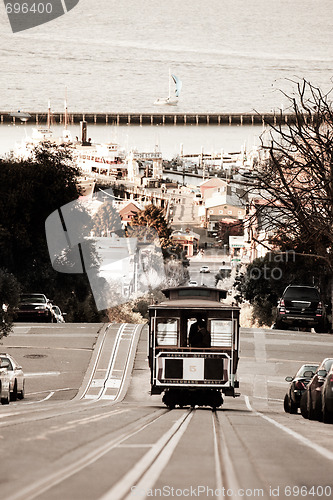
column 327, row 454
column 260, row 379
column 112, row 361
column 218, row 474
column 277, row 382
column 230, row 480
column 135, row 446
column 74, row 423
column 38, row 487
column 54, row 333
column 113, row 383
column 93, row 398
column 46, row 398
column 95, row 363
column 154, row 460
column 41, row 374
column 55, row 390
column 286, row 341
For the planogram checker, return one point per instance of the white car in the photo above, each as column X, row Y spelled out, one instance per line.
column 204, row 269
column 4, row 382
column 16, row 377
column 192, row 283
column 58, row 315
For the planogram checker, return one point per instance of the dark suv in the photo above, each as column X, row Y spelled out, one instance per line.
column 34, row 307
column 301, row 306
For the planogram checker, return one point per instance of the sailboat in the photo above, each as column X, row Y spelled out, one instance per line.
column 170, row 100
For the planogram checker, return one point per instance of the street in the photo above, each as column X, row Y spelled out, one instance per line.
column 89, row 429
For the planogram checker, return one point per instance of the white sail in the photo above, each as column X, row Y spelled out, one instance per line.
column 171, row 100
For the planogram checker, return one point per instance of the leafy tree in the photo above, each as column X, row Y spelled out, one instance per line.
column 125, row 313
column 30, row 190
column 9, row 298
column 107, row 220
column 295, row 179
column 264, row 280
column 154, row 217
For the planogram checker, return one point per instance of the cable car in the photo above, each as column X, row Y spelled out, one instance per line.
column 194, row 347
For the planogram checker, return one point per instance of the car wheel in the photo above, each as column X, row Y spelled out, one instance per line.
column 303, row 405
column 293, row 407
column 311, row 411
column 286, row 404
column 13, row 396
column 327, row 416
column 6, row 399
column 318, row 412
column 20, row 394
column 321, row 329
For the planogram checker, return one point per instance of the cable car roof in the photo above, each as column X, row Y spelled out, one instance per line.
column 189, row 297
column 195, row 292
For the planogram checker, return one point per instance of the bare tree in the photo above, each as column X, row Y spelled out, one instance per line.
column 295, row 177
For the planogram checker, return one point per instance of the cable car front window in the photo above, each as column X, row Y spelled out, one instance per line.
column 167, row 331
column 221, row 333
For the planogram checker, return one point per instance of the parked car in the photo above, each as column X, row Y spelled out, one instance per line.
column 4, row 382
column 301, row 306
column 192, row 283
column 327, row 397
column 58, row 315
column 311, row 402
column 297, row 387
column 34, row 307
column 16, row 377
column 204, row 269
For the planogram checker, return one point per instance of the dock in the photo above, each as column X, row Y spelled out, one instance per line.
column 150, row 118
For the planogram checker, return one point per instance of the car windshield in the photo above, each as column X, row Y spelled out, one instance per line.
column 300, row 293
column 33, row 298
column 306, row 368
column 328, row 364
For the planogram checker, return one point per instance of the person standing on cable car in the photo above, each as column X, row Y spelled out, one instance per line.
column 199, row 336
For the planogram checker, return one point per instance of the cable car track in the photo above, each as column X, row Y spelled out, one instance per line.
column 148, row 469
column 149, row 446
column 25, row 413
column 35, row 489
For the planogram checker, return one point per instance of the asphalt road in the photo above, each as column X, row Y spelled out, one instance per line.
column 89, row 430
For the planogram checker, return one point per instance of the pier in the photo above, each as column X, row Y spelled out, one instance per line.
column 151, row 118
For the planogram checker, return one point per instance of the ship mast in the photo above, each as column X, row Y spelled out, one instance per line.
column 49, row 116
column 66, row 109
